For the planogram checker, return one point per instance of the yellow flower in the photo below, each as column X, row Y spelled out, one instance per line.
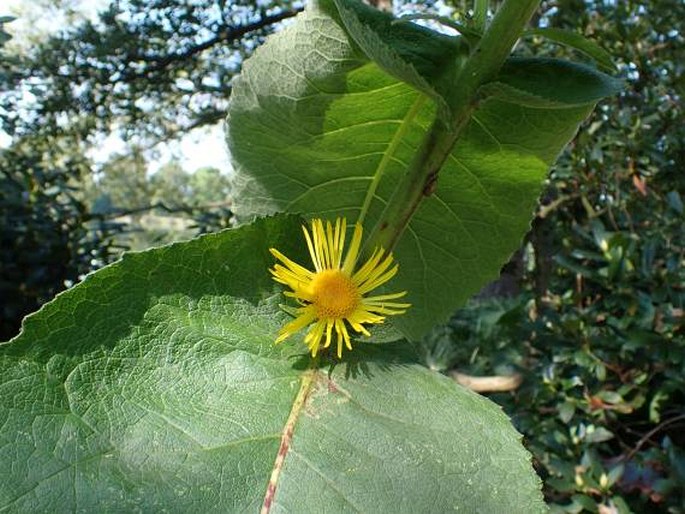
column 335, row 292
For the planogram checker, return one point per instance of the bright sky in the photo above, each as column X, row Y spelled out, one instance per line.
column 199, row 148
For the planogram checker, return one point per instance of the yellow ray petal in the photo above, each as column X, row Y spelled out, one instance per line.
column 312, row 253
column 378, row 281
column 362, row 273
column 293, row 266
column 319, row 292
column 353, row 252
column 307, row 315
column 320, row 245
column 393, row 296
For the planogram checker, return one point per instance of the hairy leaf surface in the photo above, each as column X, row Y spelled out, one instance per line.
column 154, row 386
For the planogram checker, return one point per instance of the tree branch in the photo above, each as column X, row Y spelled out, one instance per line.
column 651, row 433
column 491, row 384
column 187, row 209
column 159, row 63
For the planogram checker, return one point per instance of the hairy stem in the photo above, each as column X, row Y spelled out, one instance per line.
column 480, row 14
column 482, row 65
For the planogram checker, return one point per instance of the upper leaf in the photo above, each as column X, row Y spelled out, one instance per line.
column 425, row 59
column 316, row 127
column 543, row 82
column 577, row 41
column 154, row 386
column 471, row 34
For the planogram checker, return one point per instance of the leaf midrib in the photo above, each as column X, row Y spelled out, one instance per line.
column 387, row 155
column 308, row 379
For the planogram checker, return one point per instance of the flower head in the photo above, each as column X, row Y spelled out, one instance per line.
column 333, row 296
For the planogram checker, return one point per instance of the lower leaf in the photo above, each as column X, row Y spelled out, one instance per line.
column 154, row 386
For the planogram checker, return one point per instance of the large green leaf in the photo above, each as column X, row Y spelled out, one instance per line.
column 154, row 386
column 425, row 59
column 550, row 83
column 315, row 127
column 577, row 41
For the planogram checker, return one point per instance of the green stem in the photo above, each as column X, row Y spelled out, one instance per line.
column 480, row 14
column 481, row 67
column 416, row 183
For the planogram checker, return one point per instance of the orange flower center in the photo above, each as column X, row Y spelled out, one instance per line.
column 334, row 294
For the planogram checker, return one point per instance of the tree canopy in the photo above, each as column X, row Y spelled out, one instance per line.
column 114, row 73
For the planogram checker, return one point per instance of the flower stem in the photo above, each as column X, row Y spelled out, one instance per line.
column 486, row 58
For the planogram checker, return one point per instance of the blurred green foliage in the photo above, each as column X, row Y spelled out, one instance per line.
column 597, row 328
column 60, row 220
column 146, row 70
column 160, row 207
column 49, row 239
column 150, row 70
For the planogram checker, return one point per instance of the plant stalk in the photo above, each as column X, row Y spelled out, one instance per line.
column 420, row 180
column 480, row 14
